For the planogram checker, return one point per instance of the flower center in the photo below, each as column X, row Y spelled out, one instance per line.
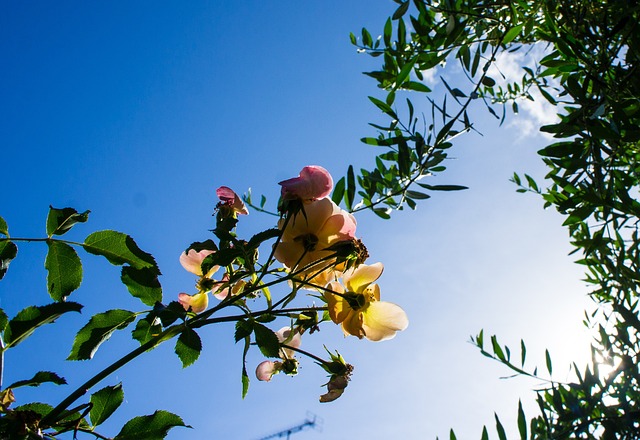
column 355, row 300
column 309, row 241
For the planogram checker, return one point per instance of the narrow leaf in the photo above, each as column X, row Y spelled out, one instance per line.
column 99, row 328
column 104, row 402
column 522, row 422
column 64, row 270
column 548, row 360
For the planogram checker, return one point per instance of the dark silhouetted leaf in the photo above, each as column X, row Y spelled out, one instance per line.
column 188, row 347
column 60, row 221
column 143, row 284
column 29, row 319
column 152, row 427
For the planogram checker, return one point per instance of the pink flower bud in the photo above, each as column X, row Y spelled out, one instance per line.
column 266, row 370
column 314, row 182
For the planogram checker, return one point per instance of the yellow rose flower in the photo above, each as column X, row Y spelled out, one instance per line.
column 358, row 307
column 308, row 235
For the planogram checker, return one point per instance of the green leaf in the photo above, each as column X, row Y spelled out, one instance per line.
column 64, row 270
column 42, row 409
column 401, row 10
column 338, row 191
column 60, row 221
column 39, row 378
column 488, row 81
column 8, row 251
column 266, row 340
column 99, row 328
column 119, row 249
column 263, row 236
column 383, row 106
column 417, row 195
column 152, row 427
column 501, row 433
column 146, row 330
column 4, row 320
column 443, row 187
column 142, row 284
column 522, row 422
column 351, row 188
column 512, row 33
column 104, row 402
column 243, row 330
column 416, row 86
column 32, row 317
column 188, row 347
column 4, row 228
column 245, row 376
column 548, row 361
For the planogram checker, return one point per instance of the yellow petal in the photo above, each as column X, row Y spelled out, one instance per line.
column 381, row 320
column 358, row 279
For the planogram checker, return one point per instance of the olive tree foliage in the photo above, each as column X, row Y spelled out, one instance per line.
column 589, row 72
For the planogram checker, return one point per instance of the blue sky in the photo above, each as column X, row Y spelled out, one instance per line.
column 138, row 111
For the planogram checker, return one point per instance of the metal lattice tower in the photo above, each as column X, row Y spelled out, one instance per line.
column 312, row 421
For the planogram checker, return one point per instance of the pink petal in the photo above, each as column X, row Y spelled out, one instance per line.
column 313, row 183
column 265, row 370
column 192, row 260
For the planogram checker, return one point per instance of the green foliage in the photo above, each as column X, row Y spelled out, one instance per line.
column 32, row 317
column 589, row 72
column 151, row 427
column 142, row 284
column 119, row 249
column 99, row 328
column 38, row 379
column 8, row 251
column 104, row 402
column 64, row 270
column 59, row 221
column 188, row 347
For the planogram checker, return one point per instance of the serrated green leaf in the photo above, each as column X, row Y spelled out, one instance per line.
column 59, row 221
column 38, row 379
column 99, row 328
column 32, row 317
column 146, row 330
column 170, row 313
column 243, row 330
column 152, row 427
column 64, row 270
column 4, row 228
column 119, row 249
column 188, row 347
column 8, row 251
column 266, row 340
column 42, row 409
column 142, row 284
column 104, row 402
